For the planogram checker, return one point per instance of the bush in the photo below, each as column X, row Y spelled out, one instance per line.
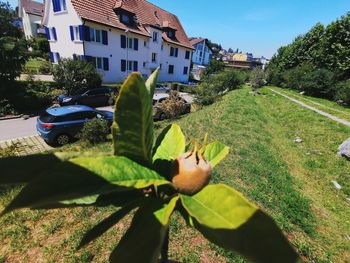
column 173, row 106
column 257, row 78
column 76, row 75
column 315, row 82
column 214, row 86
column 95, row 131
column 214, row 67
column 342, row 92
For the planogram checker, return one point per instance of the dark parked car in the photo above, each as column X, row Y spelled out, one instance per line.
column 93, row 97
column 59, row 126
column 158, row 113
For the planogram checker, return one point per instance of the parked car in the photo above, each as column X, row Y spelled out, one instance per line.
column 158, row 113
column 93, row 97
column 162, row 89
column 60, row 125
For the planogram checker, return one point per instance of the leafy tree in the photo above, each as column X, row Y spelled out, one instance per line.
column 257, row 78
column 230, row 50
column 214, row 67
column 76, row 75
column 154, row 178
column 13, row 50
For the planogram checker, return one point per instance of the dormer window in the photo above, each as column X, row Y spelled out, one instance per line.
column 171, row 34
column 125, row 19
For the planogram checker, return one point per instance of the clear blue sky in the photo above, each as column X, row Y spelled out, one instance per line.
column 257, row 26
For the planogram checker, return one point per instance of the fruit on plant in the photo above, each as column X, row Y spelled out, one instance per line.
column 191, row 172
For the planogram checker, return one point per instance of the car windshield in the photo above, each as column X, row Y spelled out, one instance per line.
column 47, row 117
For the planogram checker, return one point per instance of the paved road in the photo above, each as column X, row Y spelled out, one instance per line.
column 330, row 116
column 11, row 129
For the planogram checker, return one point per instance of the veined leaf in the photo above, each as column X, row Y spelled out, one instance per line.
column 23, row 169
column 143, row 240
column 133, row 121
column 227, row 219
column 108, row 222
column 172, row 144
column 82, row 177
column 87, row 200
column 151, row 82
column 215, row 152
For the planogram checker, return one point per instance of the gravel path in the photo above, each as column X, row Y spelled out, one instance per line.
column 330, row 116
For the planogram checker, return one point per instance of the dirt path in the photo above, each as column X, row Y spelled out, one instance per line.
column 330, row 116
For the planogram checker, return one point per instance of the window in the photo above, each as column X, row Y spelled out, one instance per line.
column 187, row 56
column 99, row 62
column 55, row 57
column 123, row 65
column 170, row 34
column 155, row 36
column 130, row 65
column 98, row 36
column 144, row 64
column 171, row 69
column 76, row 33
column 59, row 5
column 145, row 43
column 174, row 52
column 51, row 33
column 185, row 70
column 125, row 19
column 162, row 47
column 130, row 42
column 154, row 57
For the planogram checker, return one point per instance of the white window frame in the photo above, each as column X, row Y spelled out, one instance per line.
column 130, row 43
column 93, row 35
column 76, row 34
column 55, row 58
column 51, row 35
column 130, row 65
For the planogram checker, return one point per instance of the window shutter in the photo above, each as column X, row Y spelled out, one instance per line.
column 104, row 37
column 123, row 65
column 105, row 64
column 54, row 33
column 136, row 66
column 171, row 51
column 187, row 55
column 136, row 44
column 75, row 57
column 176, row 52
column 81, row 32
column 54, row 5
column 52, row 57
column 123, row 41
column 58, row 56
column 185, row 70
column 47, row 33
column 71, row 33
column 86, row 33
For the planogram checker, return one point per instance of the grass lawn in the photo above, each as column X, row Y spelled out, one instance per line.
column 290, row 181
column 322, row 104
column 33, row 65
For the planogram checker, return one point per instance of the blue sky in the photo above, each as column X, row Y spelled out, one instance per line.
column 257, row 26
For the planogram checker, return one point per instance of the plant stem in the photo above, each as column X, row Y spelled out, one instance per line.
column 165, row 249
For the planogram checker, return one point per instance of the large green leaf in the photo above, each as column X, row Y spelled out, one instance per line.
column 82, row 177
column 151, row 82
column 227, row 219
column 215, row 152
column 172, row 145
column 133, row 121
column 143, row 240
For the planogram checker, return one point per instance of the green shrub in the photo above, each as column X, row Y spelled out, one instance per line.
column 75, row 75
column 257, row 78
column 342, row 92
column 95, row 131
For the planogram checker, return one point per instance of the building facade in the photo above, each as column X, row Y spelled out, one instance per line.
column 202, row 53
column 31, row 13
column 119, row 37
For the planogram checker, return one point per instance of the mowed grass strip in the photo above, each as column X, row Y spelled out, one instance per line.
column 290, row 181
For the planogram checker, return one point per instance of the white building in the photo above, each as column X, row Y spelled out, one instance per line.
column 202, row 53
column 31, row 13
column 119, row 37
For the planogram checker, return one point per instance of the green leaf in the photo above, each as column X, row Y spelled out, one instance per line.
column 107, row 223
column 23, row 169
column 172, row 145
column 215, row 152
column 152, row 82
column 87, row 200
column 227, row 219
column 133, row 121
column 82, row 177
column 143, row 240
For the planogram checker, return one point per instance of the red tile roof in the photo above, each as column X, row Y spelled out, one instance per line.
column 147, row 14
column 196, row 40
column 32, row 7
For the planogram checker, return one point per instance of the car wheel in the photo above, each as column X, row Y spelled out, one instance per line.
column 162, row 116
column 62, row 139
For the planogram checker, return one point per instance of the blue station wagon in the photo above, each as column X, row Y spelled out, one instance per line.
column 59, row 126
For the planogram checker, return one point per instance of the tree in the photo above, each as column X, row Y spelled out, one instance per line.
column 257, row 78
column 230, row 50
column 214, row 67
column 13, row 48
column 76, row 75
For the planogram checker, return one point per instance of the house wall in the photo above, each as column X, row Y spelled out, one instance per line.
column 206, row 54
column 61, row 21
column 113, row 51
column 29, row 24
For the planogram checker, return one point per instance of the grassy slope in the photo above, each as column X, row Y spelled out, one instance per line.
column 291, row 181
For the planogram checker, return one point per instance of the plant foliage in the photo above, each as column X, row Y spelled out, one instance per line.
column 139, row 176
